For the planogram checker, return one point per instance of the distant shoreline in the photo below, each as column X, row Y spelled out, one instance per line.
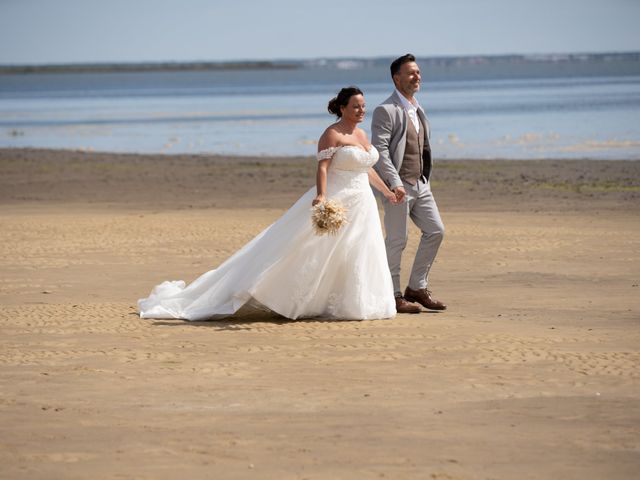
column 337, row 63
column 144, row 67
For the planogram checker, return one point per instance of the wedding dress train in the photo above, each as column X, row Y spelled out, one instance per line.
column 292, row 271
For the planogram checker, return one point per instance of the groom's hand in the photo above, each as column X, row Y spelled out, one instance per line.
column 400, row 193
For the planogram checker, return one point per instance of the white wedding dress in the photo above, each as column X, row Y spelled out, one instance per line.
column 292, row 271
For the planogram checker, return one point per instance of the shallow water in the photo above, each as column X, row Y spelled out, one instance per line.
column 282, row 112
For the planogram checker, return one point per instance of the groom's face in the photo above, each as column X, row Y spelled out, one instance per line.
column 407, row 80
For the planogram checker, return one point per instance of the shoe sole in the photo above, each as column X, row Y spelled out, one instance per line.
column 412, row 312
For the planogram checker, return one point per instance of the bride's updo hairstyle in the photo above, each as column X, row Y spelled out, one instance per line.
column 342, row 100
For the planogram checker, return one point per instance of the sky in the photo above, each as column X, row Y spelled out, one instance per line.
column 98, row 31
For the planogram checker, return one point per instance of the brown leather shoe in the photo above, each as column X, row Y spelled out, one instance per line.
column 424, row 298
column 402, row 306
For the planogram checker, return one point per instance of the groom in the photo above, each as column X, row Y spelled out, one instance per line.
column 400, row 133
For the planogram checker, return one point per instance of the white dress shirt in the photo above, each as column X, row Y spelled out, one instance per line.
column 411, row 109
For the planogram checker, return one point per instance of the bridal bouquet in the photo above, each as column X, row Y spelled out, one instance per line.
column 328, row 217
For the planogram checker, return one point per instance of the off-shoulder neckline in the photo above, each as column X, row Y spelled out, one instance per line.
column 359, row 147
column 331, row 151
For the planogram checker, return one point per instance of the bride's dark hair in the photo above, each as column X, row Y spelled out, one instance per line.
column 342, row 100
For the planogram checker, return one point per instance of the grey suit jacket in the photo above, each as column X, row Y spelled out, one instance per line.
column 389, row 136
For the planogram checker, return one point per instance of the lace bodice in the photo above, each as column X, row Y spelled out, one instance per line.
column 350, row 158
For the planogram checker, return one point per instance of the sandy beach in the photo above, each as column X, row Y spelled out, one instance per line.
column 532, row 373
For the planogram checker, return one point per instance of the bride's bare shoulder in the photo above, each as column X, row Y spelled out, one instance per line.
column 329, row 138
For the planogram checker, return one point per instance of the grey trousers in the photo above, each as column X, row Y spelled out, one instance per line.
column 420, row 205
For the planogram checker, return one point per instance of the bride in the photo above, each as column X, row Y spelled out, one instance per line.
column 288, row 268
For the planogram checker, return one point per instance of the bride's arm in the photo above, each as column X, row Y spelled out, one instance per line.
column 327, row 145
column 377, row 183
column 321, row 181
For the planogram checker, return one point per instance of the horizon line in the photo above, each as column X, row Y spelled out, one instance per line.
column 279, row 61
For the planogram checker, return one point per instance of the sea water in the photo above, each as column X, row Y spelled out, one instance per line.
column 283, row 112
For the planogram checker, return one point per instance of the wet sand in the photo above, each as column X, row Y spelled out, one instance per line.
column 533, row 372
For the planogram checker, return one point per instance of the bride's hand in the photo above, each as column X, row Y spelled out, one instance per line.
column 317, row 200
column 391, row 197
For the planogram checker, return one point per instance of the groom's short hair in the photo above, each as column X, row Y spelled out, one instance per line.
column 398, row 62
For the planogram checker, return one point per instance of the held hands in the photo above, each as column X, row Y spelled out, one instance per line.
column 399, row 193
column 391, row 197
